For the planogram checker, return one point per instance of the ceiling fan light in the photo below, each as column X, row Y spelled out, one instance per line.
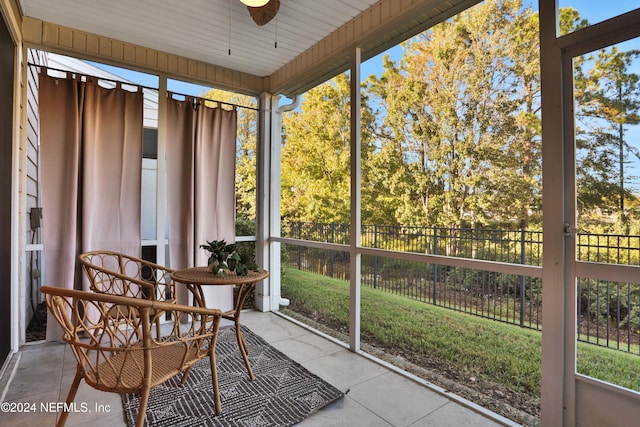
column 255, row 3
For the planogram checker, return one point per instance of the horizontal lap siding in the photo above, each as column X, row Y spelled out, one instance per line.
column 7, row 62
column 31, row 187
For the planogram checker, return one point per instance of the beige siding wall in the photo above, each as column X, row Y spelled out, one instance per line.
column 12, row 18
column 32, row 141
column 33, row 238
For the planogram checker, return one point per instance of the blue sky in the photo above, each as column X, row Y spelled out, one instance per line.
column 593, row 11
column 599, row 10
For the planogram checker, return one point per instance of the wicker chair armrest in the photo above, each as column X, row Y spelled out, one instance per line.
column 190, row 323
column 136, row 302
column 186, row 309
column 98, row 296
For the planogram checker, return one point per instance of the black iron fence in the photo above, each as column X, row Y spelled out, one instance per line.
column 608, row 313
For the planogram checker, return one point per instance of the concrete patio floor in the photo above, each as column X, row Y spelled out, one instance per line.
column 378, row 394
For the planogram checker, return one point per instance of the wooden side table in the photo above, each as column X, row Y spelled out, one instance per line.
column 197, row 277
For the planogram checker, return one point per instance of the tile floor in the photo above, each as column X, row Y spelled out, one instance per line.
column 378, row 395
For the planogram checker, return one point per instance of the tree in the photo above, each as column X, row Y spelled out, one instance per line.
column 388, row 171
column 570, row 20
column 315, row 175
column 522, row 162
column 608, row 101
column 453, row 115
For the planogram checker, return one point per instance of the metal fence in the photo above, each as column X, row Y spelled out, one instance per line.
column 608, row 313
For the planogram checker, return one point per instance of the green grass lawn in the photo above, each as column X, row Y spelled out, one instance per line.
column 495, row 351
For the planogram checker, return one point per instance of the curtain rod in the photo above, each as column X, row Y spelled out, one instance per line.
column 140, row 86
column 210, row 100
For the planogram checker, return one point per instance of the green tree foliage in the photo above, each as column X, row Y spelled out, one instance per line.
column 315, row 176
column 451, row 133
column 570, row 20
column 456, row 106
column 608, row 101
column 525, row 150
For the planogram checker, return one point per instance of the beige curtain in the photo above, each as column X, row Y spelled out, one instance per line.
column 201, row 148
column 91, row 162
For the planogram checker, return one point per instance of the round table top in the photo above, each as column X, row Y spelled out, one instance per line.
column 204, row 276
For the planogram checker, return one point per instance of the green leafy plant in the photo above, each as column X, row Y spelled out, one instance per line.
column 225, row 257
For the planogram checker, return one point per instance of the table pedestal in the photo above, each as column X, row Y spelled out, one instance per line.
column 197, row 277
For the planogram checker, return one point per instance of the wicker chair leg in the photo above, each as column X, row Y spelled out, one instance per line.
column 185, row 375
column 70, row 396
column 142, row 410
column 214, row 382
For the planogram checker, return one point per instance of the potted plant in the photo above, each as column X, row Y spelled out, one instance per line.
column 225, row 257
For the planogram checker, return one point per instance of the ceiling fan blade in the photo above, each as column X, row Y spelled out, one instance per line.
column 264, row 14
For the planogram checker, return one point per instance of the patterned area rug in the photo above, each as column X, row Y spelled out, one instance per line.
column 283, row 393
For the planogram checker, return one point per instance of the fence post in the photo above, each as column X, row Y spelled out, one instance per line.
column 435, row 266
column 299, row 247
column 375, row 258
column 522, row 279
column 332, row 253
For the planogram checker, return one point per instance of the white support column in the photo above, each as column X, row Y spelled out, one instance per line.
column 161, row 191
column 268, row 296
column 354, row 241
column 265, row 199
column 557, row 380
column 275, row 149
column 17, row 252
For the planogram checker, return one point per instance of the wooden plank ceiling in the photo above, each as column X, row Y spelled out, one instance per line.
column 313, row 36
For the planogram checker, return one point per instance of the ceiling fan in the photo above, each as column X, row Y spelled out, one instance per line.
column 262, row 11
